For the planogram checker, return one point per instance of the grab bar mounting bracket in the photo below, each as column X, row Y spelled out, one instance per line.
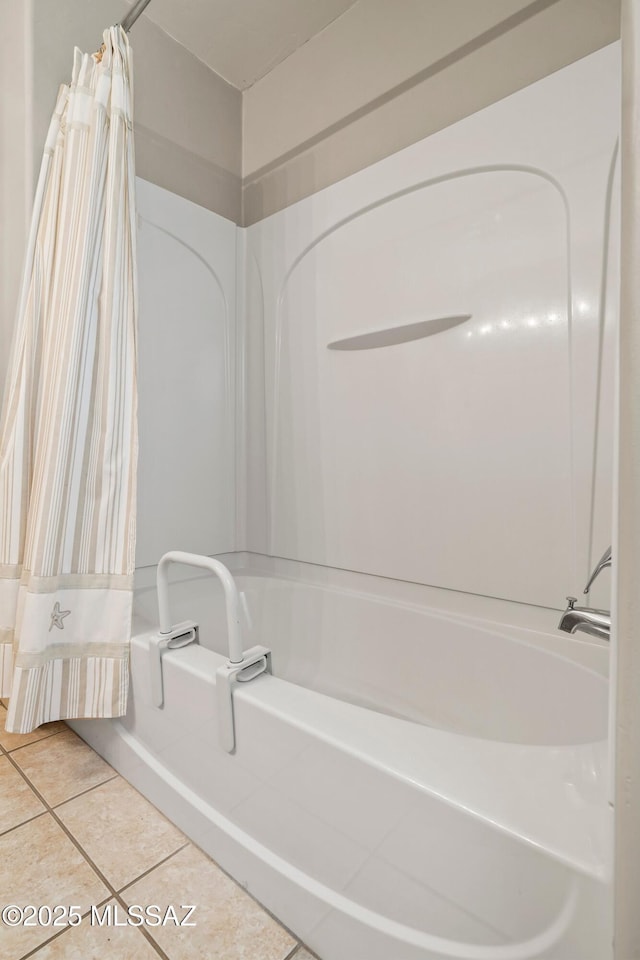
column 255, row 661
column 181, row 635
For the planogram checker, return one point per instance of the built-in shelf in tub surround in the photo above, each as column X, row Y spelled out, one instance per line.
column 402, row 334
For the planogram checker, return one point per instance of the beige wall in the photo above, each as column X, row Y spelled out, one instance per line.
column 15, row 160
column 188, row 120
column 386, row 75
column 626, row 649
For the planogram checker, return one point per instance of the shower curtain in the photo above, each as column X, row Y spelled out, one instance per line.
column 68, row 435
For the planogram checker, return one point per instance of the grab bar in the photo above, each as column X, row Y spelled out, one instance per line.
column 232, row 601
column 242, row 666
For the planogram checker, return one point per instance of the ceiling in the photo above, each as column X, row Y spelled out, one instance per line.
column 242, row 40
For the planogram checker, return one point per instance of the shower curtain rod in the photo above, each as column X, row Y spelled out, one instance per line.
column 128, row 21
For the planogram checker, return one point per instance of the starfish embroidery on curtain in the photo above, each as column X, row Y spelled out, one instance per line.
column 57, row 617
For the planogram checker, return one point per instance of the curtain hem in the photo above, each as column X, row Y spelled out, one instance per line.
column 67, row 689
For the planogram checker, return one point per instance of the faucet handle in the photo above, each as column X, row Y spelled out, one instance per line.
column 604, row 561
column 572, row 602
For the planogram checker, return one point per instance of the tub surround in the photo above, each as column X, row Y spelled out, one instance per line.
column 478, row 460
column 187, row 378
column 423, row 506
column 423, row 473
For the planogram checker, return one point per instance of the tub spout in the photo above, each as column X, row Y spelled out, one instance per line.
column 597, row 623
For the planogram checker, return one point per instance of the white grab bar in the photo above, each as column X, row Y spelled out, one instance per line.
column 240, row 667
column 232, row 599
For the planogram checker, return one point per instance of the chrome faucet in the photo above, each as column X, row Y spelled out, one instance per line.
column 604, row 561
column 597, row 623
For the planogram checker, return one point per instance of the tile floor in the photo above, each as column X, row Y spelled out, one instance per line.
column 73, row 832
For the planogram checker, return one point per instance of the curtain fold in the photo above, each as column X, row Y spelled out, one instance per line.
column 68, row 435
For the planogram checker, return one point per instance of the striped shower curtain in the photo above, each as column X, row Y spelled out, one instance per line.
column 68, row 437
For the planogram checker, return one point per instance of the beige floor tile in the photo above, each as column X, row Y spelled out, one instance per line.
column 229, row 924
column 11, row 741
column 18, row 802
column 90, row 941
column 39, row 865
column 121, row 832
column 62, row 766
column 302, row 954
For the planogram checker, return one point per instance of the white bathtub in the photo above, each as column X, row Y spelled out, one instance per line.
column 406, row 786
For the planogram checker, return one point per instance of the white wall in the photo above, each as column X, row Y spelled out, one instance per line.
column 467, row 460
column 186, row 362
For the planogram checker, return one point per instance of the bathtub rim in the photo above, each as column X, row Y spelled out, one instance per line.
column 587, row 652
column 538, row 643
column 428, row 759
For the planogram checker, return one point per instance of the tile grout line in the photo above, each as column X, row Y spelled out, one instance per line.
column 251, row 896
column 236, row 883
column 60, row 933
column 296, row 949
column 83, row 793
column 31, row 784
column 32, row 743
column 17, row 826
column 160, row 863
column 87, row 858
column 298, row 944
column 116, row 893
column 143, row 930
